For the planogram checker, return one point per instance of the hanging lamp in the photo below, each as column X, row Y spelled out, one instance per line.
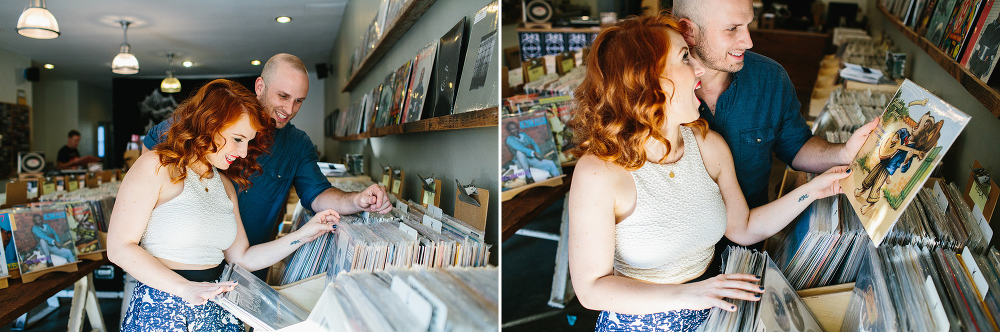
column 125, row 63
column 170, row 84
column 37, row 22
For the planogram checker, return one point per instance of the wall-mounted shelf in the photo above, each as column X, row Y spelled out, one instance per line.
column 404, row 20
column 488, row 117
column 986, row 95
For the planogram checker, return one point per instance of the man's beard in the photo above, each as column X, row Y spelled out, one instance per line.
column 710, row 60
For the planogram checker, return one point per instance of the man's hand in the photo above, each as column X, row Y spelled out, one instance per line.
column 857, row 139
column 373, row 199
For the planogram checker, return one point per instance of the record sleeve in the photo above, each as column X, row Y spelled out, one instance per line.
column 529, row 154
column 43, row 239
column 915, row 132
column 400, row 82
column 385, row 101
column 982, row 56
column 781, row 308
column 256, row 303
column 478, row 87
column 423, row 67
column 83, row 226
column 10, row 252
column 447, row 69
column 955, row 37
column 938, row 25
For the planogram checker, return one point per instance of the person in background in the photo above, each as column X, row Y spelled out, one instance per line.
column 654, row 189
column 69, row 155
column 749, row 100
column 176, row 223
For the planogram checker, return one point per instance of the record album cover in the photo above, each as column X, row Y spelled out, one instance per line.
column 938, row 25
column 373, row 103
column 529, row 153
column 781, row 308
column 447, row 69
column 385, row 100
column 400, row 83
column 83, row 226
column 43, row 239
column 478, row 87
column 915, row 132
column 10, row 252
column 256, row 303
column 423, row 67
column 982, row 55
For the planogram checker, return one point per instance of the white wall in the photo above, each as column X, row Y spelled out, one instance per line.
column 310, row 116
column 56, row 111
column 12, row 77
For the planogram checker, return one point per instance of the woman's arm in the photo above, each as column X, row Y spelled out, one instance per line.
column 745, row 226
column 266, row 254
column 592, row 202
column 136, row 198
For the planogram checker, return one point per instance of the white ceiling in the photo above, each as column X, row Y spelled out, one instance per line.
column 221, row 37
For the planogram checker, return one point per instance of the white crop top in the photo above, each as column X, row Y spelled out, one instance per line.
column 194, row 227
column 670, row 236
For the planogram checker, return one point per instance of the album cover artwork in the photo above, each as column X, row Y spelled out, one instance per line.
column 781, row 308
column 915, row 132
column 529, row 153
column 43, row 239
column 10, row 252
column 938, row 25
column 83, row 226
column 385, row 101
column 981, row 56
column 479, row 85
column 373, row 103
column 447, row 68
column 399, row 95
column 423, row 67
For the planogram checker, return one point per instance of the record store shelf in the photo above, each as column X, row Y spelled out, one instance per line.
column 985, row 94
column 404, row 20
column 488, row 117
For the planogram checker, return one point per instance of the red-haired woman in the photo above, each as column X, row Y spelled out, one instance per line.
column 176, row 220
column 655, row 189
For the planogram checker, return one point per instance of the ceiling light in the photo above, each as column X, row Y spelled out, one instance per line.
column 125, row 63
column 255, row 62
column 170, row 84
column 283, row 19
column 49, row 66
column 187, row 63
column 37, row 22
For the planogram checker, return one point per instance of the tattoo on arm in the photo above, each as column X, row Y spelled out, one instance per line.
column 297, row 241
column 800, row 199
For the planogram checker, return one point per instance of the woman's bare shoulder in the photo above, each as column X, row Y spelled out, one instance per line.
column 593, row 170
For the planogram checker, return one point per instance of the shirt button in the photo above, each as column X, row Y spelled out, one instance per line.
column 758, row 141
column 279, row 176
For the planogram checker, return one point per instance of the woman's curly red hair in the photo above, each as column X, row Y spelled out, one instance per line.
column 621, row 105
column 197, row 121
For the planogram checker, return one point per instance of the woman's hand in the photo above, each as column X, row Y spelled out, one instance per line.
column 709, row 293
column 197, row 293
column 828, row 183
column 321, row 223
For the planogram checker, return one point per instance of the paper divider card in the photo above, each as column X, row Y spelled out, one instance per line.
column 977, row 275
column 942, row 200
column 983, row 223
column 934, row 303
column 420, row 307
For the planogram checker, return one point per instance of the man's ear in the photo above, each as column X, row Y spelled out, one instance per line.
column 688, row 30
column 258, row 86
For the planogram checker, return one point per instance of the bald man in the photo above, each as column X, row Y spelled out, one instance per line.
column 749, row 100
column 281, row 88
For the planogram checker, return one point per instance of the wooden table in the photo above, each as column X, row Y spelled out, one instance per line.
column 523, row 208
column 18, row 298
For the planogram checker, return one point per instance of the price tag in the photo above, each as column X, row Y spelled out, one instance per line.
column 402, row 207
column 396, row 184
column 481, row 15
column 432, row 223
column 428, row 198
column 978, row 196
column 49, row 187
column 535, row 73
column 73, row 185
column 942, row 200
column 435, row 211
column 567, row 64
column 976, row 273
column 977, row 212
column 385, row 180
column 934, row 303
column 418, row 305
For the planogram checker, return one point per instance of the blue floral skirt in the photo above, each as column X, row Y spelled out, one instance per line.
column 153, row 310
column 677, row 320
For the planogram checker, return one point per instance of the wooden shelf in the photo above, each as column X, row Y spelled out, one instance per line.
column 20, row 297
column 476, row 119
column 524, row 207
column 986, row 95
column 404, row 20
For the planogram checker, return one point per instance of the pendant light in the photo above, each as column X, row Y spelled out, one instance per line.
column 125, row 63
column 170, row 84
column 37, row 22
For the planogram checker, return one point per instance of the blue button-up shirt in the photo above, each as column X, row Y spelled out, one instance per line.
column 758, row 114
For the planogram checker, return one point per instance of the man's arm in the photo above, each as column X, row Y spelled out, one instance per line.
column 40, row 233
column 316, row 192
column 818, row 155
column 155, row 134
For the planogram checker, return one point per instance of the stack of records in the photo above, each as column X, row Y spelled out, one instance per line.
column 101, row 201
column 779, row 309
column 924, row 223
column 256, row 303
column 554, row 85
column 846, row 111
column 913, row 288
column 450, row 299
column 824, row 247
column 869, row 53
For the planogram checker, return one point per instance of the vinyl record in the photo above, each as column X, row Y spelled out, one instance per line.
column 538, row 11
column 30, row 162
